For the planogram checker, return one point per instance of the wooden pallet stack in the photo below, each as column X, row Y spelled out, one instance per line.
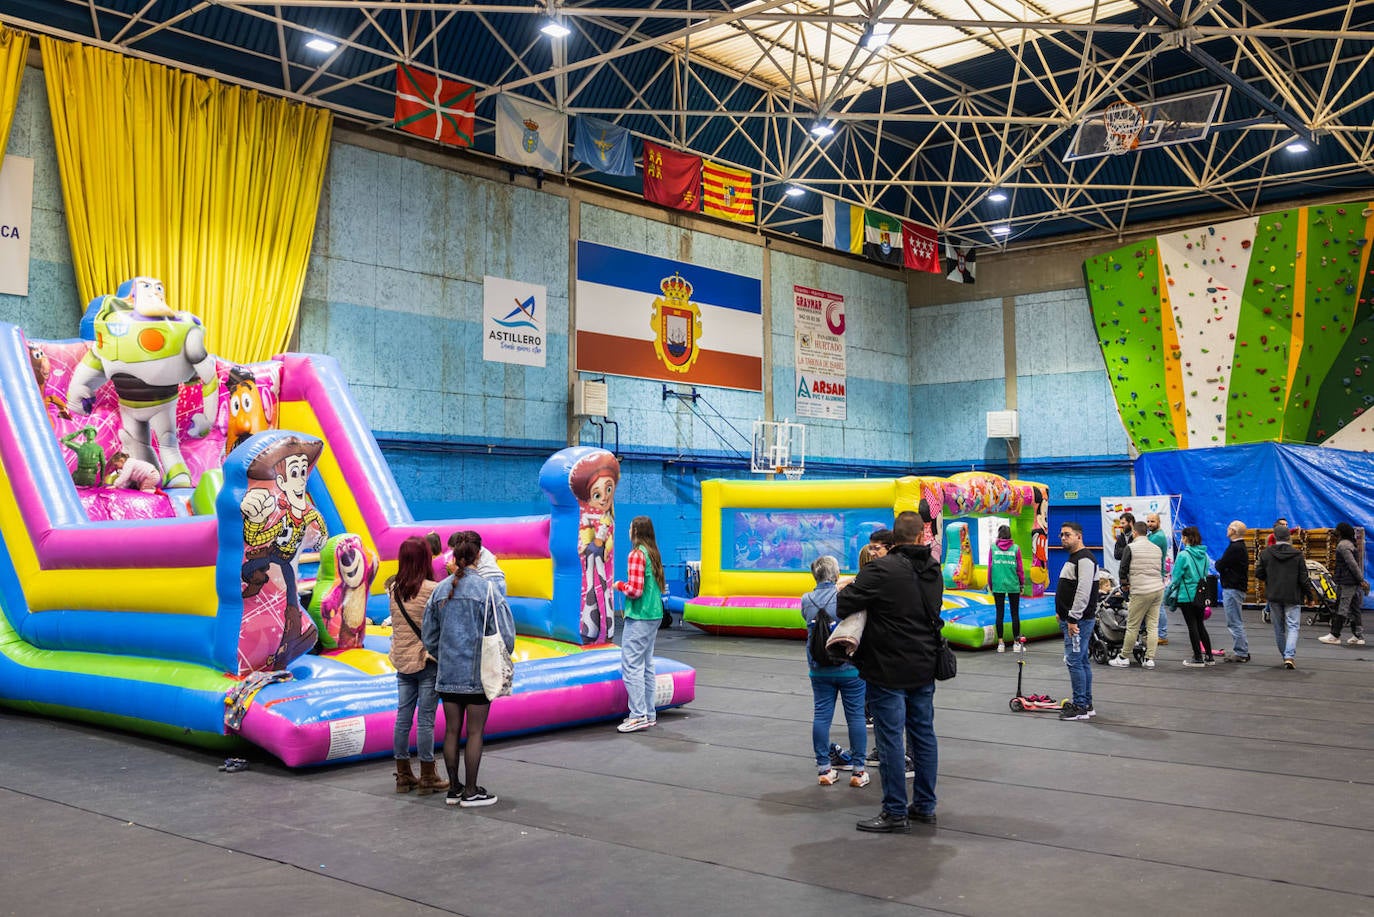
column 1315, row 544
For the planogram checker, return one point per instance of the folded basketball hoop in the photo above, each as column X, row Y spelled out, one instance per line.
column 1124, row 121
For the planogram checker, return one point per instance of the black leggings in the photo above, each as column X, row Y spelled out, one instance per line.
column 1197, row 630
column 1015, row 613
column 454, row 711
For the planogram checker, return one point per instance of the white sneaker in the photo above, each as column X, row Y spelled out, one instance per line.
column 634, row 724
column 829, row 778
column 1001, row 647
column 1019, row 646
column 1329, row 638
column 1355, row 641
column 1120, row 662
column 859, row 780
column 1148, row 664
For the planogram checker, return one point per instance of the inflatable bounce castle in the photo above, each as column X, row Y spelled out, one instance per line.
column 758, row 539
column 198, row 551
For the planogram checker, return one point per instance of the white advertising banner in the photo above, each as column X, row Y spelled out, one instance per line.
column 16, row 223
column 1113, row 508
column 513, row 322
column 820, row 358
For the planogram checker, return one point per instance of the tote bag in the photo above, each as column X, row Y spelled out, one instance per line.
column 497, row 669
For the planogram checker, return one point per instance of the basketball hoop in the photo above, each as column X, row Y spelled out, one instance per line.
column 1124, row 122
column 791, row 472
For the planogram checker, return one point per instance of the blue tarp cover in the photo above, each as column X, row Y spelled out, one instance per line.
column 1311, row 486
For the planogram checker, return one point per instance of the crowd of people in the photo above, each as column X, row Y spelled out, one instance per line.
column 445, row 602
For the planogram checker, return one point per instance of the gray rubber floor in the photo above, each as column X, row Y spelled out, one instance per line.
column 1239, row 789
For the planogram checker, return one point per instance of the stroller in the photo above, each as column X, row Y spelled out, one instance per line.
column 1110, row 632
column 1322, row 590
column 1321, row 595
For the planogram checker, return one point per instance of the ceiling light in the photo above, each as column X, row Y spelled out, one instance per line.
column 1001, row 229
column 820, row 130
column 997, row 195
column 322, row 45
column 1296, row 146
column 876, row 35
column 555, row 29
column 794, row 191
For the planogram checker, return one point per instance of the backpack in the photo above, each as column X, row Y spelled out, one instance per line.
column 816, row 637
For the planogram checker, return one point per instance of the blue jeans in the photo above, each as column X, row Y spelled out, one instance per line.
column 637, row 664
column 1164, row 621
column 1080, row 666
column 1287, row 619
column 412, row 692
column 851, row 690
column 915, row 708
column 1231, row 600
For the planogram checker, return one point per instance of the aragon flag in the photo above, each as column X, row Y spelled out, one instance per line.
column 429, row 106
column 727, row 192
column 671, row 178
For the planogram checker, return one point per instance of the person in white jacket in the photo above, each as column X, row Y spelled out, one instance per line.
column 1143, row 582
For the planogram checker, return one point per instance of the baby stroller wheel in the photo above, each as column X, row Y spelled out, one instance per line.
column 1015, row 704
column 1310, row 620
column 1265, row 616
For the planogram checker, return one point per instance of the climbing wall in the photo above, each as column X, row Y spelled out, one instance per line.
column 1253, row 330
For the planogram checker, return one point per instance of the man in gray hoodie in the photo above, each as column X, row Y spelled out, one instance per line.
column 1283, row 570
column 1141, row 579
column 1351, row 588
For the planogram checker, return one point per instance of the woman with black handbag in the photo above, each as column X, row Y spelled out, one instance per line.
column 416, row 699
column 1190, row 575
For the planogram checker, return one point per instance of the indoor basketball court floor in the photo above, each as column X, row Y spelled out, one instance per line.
column 1239, row 789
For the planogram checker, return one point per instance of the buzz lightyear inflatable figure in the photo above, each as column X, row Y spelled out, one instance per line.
column 147, row 350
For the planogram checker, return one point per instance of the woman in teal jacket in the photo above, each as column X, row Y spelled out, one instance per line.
column 643, row 589
column 1190, row 568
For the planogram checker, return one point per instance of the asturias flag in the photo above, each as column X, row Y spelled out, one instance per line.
column 842, row 226
column 920, row 248
column 671, row 178
column 882, row 237
column 603, row 146
column 432, row 107
column 727, row 192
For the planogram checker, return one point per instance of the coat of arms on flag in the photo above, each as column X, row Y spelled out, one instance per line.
column 677, row 325
column 430, row 106
column 727, row 192
column 603, row 146
column 961, row 264
column 530, row 134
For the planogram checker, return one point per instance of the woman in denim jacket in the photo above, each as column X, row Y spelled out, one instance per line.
column 455, row 621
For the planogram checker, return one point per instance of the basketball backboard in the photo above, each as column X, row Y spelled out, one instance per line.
column 779, row 448
column 1164, row 122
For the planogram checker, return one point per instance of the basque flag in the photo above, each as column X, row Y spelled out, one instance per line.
column 431, row 107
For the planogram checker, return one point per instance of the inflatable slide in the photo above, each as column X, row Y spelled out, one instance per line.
column 161, row 512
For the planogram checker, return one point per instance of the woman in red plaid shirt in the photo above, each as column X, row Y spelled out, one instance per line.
column 643, row 614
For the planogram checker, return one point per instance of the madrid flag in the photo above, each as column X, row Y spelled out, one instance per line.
column 430, row 106
column 920, row 248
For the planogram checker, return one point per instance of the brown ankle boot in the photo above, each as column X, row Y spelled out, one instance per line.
column 405, row 777
column 430, row 781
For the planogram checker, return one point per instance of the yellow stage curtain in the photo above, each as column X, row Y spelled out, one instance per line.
column 14, row 51
column 209, row 187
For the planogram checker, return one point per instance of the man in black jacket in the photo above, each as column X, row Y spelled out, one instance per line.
column 903, row 594
column 1233, row 569
column 1283, row 570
